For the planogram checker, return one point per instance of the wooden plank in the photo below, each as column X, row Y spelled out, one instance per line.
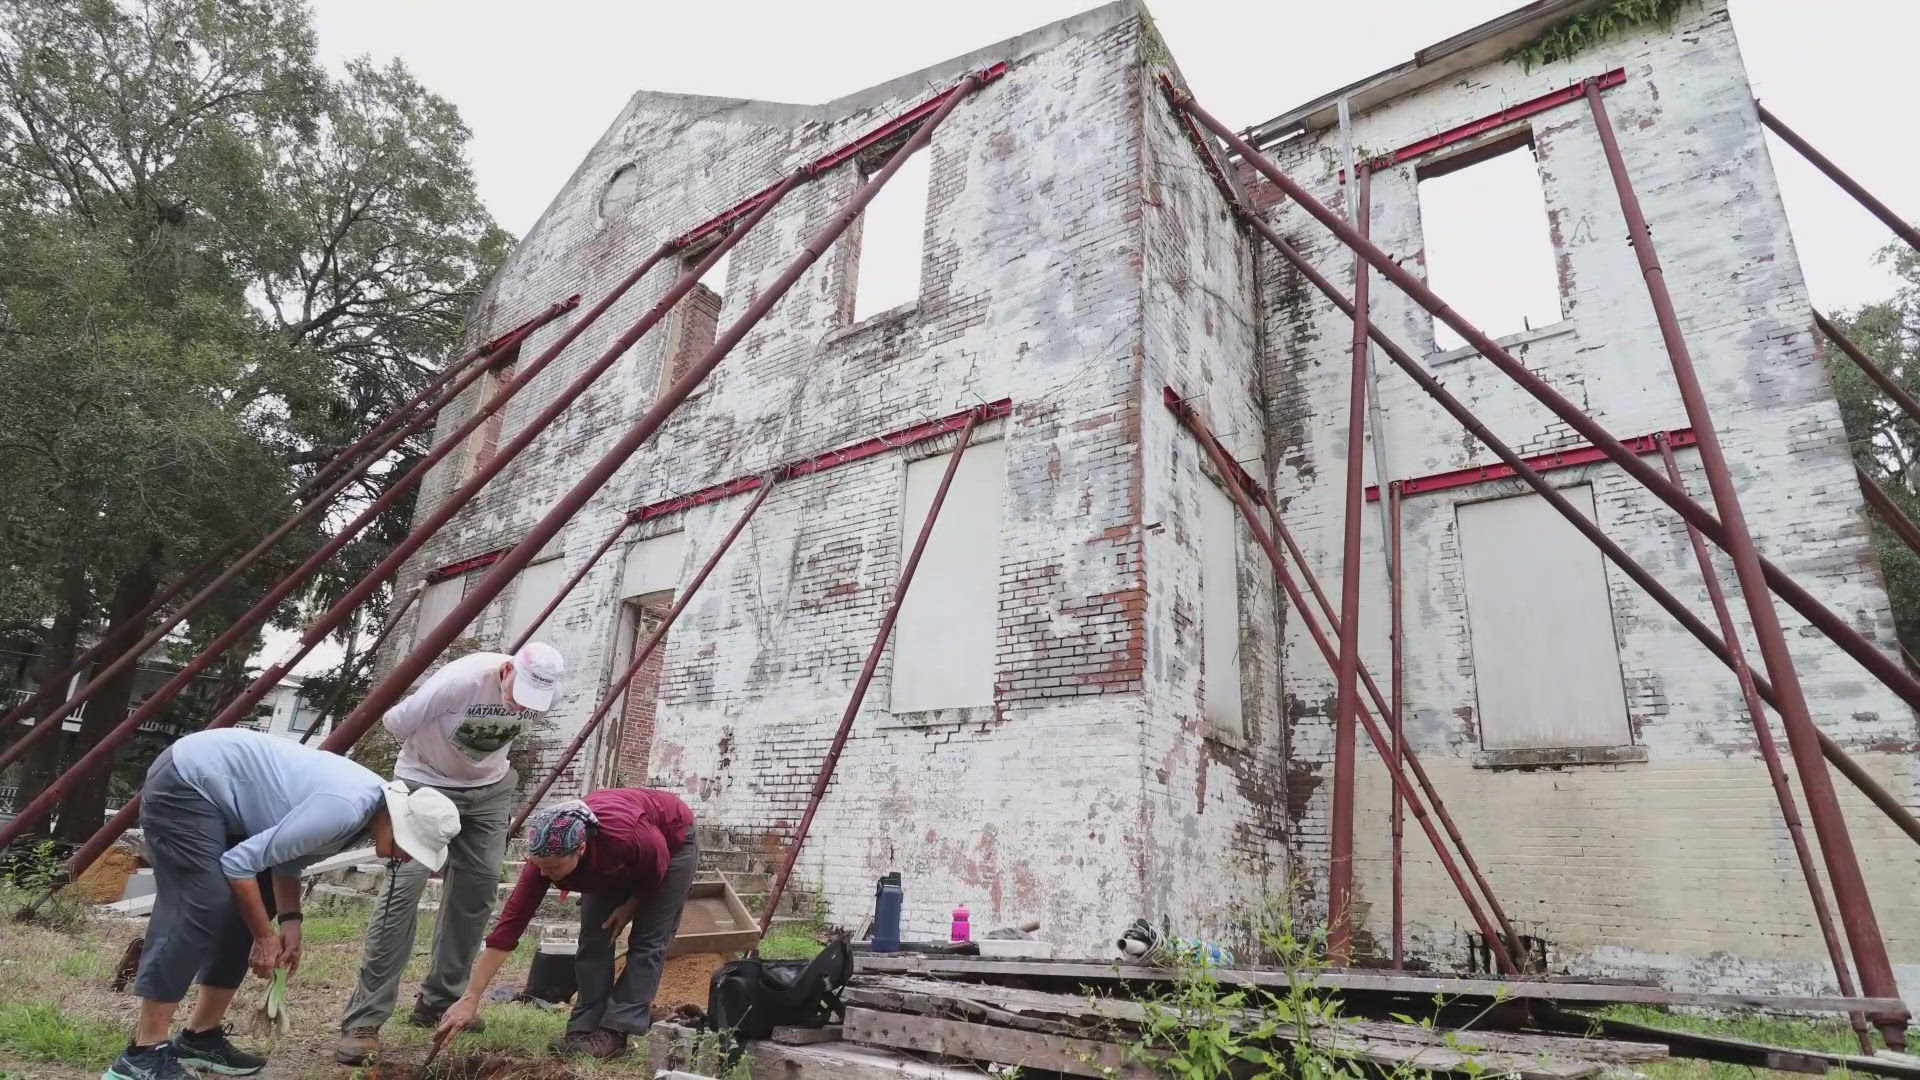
column 1379, row 1042
column 1383, row 982
column 820, row 1061
column 806, row 1036
column 980, row 1042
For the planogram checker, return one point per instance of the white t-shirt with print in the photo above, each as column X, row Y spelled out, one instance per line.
column 456, row 729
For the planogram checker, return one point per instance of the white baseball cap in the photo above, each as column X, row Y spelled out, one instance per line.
column 424, row 820
column 537, row 668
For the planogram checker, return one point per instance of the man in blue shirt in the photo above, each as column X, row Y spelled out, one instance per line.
column 219, row 808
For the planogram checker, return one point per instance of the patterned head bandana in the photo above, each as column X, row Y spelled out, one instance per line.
column 560, row 829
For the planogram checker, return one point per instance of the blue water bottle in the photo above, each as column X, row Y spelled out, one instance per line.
column 887, row 898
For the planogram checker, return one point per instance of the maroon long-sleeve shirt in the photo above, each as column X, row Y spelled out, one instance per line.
column 640, row 829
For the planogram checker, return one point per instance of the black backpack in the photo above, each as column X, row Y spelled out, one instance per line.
column 749, row 998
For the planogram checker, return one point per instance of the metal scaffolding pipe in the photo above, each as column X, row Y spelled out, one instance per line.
column 579, row 576
column 1837, row 175
column 1776, row 773
column 1823, row 803
column 373, row 652
column 51, row 686
column 109, row 744
column 425, row 530
column 389, row 690
column 1891, row 514
column 1867, row 366
column 859, row 695
column 260, row 609
column 1396, row 685
column 1861, row 779
column 1346, row 680
column 1888, row 671
column 1222, row 463
column 617, row 691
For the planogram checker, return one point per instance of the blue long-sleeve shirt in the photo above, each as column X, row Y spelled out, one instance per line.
column 294, row 804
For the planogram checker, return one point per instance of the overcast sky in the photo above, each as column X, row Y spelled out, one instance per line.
column 539, row 84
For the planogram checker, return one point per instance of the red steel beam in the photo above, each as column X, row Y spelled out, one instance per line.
column 109, row 744
column 1566, row 95
column 1218, row 454
column 1346, row 672
column 373, row 652
column 1776, row 774
column 1872, row 370
column 1839, row 176
column 832, row 459
column 356, row 722
column 51, row 721
column 1823, row 803
column 1889, row 512
column 1889, row 671
column 827, row 765
column 390, row 689
column 1885, row 800
column 617, row 691
column 462, row 566
column 54, row 684
column 1547, row 462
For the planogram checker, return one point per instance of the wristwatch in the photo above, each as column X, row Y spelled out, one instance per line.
column 291, row 916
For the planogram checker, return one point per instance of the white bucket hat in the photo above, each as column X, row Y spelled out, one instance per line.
column 424, row 820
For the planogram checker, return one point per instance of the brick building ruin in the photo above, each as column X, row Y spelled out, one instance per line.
column 1095, row 707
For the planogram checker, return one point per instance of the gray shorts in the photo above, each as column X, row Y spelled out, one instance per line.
column 196, row 927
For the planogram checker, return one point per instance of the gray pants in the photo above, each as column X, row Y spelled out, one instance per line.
column 626, row 1006
column 467, row 895
column 196, row 928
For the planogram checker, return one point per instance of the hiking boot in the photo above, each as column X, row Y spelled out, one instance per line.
column 211, row 1051
column 147, row 1063
column 357, row 1046
column 425, row 1016
column 600, row 1043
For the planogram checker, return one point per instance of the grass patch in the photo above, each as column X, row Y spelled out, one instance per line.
column 1831, row 1036
column 517, row 1028
column 39, row 1031
column 793, row 941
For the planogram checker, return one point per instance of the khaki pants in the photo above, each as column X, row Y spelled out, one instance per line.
column 467, row 896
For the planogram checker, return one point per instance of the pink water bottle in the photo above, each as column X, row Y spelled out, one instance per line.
column 962, row 929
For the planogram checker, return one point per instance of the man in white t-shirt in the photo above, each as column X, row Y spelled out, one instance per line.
column 455, row 732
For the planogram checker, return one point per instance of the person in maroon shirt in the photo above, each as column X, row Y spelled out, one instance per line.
column 630, row 854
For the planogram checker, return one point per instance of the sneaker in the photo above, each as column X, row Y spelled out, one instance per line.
column 147, row 1063
column 425, row 1016
column 211, row 1051
column 357, row 1046
column 600, row 1043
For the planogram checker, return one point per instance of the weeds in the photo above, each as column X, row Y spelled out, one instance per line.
column 39, row 1031
column 34, row 873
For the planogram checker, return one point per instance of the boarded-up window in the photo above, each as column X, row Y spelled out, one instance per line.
column 533, row 590
column 943, row 642
column 484, row 444
column 437, row 601
column 1220, row 612
column 1544, row 657
column 653, row 565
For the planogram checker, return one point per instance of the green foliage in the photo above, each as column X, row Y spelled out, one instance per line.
column 1884, row 441
column 32, row 874
column 1203, row 1028
column 1829, row 1035
column 43, row 1031
column 1577, row 33
column 218, row 264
